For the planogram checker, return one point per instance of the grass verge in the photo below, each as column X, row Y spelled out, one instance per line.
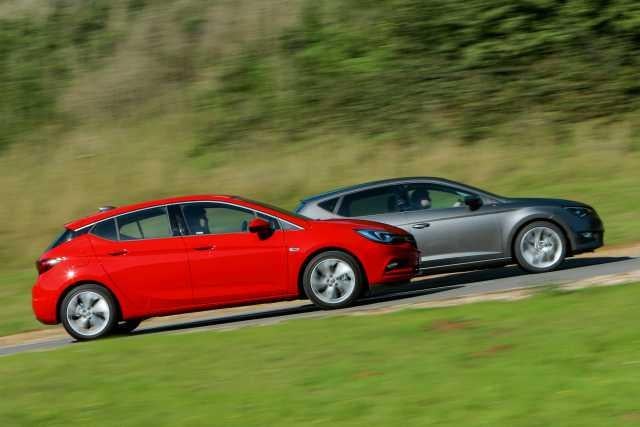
column 559, row 358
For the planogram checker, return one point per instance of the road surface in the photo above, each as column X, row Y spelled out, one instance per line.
column 423, row 290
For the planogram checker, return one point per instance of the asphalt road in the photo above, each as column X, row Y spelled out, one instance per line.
column 424, row 290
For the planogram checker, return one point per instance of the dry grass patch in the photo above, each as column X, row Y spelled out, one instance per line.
column 444, row 325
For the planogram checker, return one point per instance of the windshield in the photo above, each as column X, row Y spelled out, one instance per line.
column 275, row 208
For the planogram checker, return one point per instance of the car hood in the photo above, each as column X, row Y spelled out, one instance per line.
column 357, row 223
column 539, row 201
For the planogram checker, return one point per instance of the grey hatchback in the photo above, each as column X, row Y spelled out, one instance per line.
column 459, row 227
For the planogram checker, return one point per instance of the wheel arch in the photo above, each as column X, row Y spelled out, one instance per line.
column 70, row 288
column 523, row 224
column 301, row 292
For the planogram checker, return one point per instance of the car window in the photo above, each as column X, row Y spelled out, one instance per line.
column 218, row 218
column 431, row 196
column 105, row 229
column 329, row 205
column 275, row 224
column 66, row 236
column 145, row 224
column 374, row 201
column 177, row 220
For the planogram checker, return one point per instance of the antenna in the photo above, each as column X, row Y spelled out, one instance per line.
column 105, row 208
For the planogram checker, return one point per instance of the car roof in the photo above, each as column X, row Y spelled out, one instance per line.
column 373, row 184
column 99, row 216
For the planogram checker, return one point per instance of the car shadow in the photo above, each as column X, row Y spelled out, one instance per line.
column 422, row 286
column 290, row 311
column 482, row 275
column 235, row 318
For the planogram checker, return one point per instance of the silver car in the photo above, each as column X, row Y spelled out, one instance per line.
column 459, row 227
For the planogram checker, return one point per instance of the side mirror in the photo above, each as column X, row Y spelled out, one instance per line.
column 260, row 226
column 473, row 202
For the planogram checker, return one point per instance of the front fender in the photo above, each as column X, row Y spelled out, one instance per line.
column 516, row 223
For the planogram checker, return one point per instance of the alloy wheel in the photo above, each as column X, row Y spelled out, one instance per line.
column 333, row 281
column 88, row 313
column 541, row 247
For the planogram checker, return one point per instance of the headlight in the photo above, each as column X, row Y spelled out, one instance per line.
column 580, row 212
column 381, row 236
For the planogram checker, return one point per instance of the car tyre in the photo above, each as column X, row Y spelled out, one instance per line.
column 88, row 312
column 540, row 247
column 333, row 279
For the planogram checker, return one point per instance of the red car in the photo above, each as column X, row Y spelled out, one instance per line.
column 116, row 268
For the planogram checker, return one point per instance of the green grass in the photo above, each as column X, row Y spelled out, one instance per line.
column 566, row 359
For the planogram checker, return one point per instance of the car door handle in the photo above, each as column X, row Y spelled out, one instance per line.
column 421, row 225
column 119, row 252
column 204, row 248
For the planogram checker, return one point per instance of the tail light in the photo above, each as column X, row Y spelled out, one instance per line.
column 46, row 264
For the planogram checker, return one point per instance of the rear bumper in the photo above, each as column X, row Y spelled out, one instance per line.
column 44, row 304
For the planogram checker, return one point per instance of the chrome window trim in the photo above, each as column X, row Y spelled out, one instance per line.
column 243, row 208
column 296, row 227
column 341, row 193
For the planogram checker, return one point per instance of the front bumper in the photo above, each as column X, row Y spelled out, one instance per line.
column 397, row 264
column 588, row 241
column 586, row 234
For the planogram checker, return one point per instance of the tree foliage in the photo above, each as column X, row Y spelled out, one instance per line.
column 37, row 56
column 470, row 65
column 461, row 66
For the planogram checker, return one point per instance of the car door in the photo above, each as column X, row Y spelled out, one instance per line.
column 144, row 259
column 447, row 230
column 227, row 262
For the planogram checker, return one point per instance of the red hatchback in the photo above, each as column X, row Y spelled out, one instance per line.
column 120, row 266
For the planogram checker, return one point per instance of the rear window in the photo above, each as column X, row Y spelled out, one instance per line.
column 66, row 236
